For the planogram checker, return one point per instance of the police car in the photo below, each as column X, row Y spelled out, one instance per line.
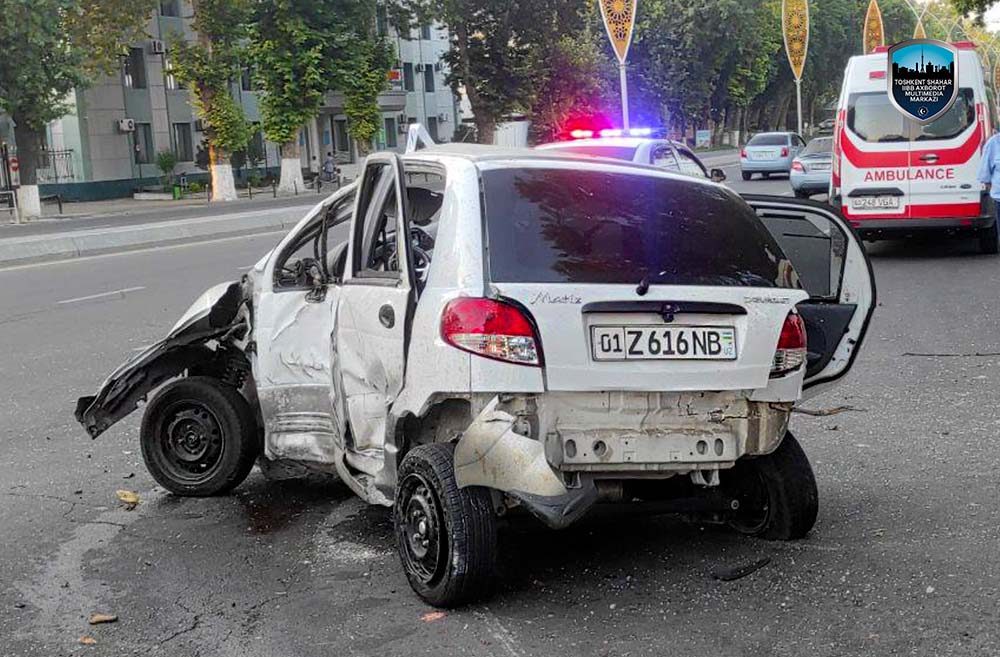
column 638, row 145
column 552, row 332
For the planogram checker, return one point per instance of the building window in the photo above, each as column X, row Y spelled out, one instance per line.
column 143, row 142
column 390, row 133
column 170, row 8
column 432, row 127
column 341, row 140
column 246, row 79
column 408, row 76
column 381, row 20
column 183, row 146
column 135, row 69
column 428, row 78
column 425, row 32
column 168, row 71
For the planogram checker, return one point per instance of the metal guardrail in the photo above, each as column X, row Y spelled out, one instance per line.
column 56, row 166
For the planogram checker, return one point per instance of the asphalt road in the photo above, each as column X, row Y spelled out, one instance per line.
column 903, row 560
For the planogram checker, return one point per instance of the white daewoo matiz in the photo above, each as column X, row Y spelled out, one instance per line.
column 552, row 333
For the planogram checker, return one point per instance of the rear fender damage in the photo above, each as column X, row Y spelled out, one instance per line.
column 492, row 454
column 219, row 316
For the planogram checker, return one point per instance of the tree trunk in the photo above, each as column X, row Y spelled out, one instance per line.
column 223, row 183
column 486, row 128
column 291, row 181
column 27, row 154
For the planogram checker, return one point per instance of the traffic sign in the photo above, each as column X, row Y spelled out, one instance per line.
column 15, row 164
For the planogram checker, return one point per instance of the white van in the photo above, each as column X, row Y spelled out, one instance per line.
column 892, row 176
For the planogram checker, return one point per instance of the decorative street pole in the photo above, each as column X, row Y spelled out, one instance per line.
column 619, row 21
column 873, row 35
column 795, row 26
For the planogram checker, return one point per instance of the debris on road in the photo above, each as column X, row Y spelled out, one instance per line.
column 99, row 619
column 128, row 498
column 733, row 574
column 824, row 412
column 432, row 616
column 88, row 640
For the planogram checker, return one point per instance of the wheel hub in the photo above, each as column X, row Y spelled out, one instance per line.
column 421, row 528
column 192, row 441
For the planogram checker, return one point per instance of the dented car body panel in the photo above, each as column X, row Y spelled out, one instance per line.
column 349, row 368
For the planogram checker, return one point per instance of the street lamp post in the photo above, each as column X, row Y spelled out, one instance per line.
column 619, row 21
column 795, row 28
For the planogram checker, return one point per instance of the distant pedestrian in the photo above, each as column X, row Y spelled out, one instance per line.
column 330, row 168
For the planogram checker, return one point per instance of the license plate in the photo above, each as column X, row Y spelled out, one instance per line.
column 822, row 166
column 762, row 155
column 875, row 202
column 663, row 342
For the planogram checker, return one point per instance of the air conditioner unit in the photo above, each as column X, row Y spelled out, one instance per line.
column 157, row 47
column 199, row 125
column 126, row 125
column 443, row 117
column 420, row 68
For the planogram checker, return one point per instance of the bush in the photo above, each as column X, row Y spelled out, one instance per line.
column 195, row 187
column 166, row 160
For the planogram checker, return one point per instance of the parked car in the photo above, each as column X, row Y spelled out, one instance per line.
column 769, row 152
column 893, row 177
column 810, row 172
column 551, row 332
column 661, row 153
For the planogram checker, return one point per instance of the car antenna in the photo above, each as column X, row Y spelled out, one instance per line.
column 643, row 287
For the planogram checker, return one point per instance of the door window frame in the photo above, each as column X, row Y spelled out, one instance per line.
column 365, row 199
column 310, row 232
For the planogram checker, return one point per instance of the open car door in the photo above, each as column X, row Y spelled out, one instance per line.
column 834, row 269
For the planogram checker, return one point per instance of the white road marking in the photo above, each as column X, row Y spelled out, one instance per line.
column 503, row 636
column 90, row 297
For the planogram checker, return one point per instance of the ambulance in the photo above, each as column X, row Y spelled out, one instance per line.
column 893, row 177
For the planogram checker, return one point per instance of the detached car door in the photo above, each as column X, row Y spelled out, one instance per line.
column 377, row 297
column 294, row 319
column 833, row 268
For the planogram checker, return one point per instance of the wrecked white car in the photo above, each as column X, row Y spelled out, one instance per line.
column 553, row 332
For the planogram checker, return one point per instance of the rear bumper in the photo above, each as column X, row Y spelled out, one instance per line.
column 810, row 182
column 875, row 227
column 766, row 166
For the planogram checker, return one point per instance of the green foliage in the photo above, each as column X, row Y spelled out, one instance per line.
column 364, row 79
column 166, row 161
column 209, row 66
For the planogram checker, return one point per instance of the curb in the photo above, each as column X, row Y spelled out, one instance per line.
column 78, row 244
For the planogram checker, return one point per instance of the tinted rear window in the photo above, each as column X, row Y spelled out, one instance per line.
column 821, row 145
column 872, row 117
column 567, row 226
column 769, row 140
column 613, row 152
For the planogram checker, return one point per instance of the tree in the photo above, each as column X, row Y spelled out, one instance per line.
column 51, row 48
column 287, row 49
column 209, row 67
column 362, row 80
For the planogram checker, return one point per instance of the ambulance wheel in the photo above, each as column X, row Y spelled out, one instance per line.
column 777, row 493
column 446, row 535
column 746, row 175
column 199, row 437
column 989, row 240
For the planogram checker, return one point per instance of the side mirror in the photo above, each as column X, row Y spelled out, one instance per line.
column 717, row 175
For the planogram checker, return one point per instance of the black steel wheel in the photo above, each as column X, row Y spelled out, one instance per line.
column 446, row 535
column 777, row 493
column 199, row 437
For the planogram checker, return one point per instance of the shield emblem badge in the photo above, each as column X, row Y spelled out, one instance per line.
column 923, row 78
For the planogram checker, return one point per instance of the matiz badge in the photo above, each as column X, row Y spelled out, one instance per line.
column 922, row 78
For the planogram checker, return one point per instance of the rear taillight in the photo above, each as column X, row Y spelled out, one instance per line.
column 743, row 153
column 791, row 351
column 493, row 329
column 784, row 151
column 797, row 166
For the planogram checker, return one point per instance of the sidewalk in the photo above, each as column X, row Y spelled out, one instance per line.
column 87, row 234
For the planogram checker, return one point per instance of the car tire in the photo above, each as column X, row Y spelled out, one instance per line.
column 455, row 566
column 765, row 175
column 801, row 194
column 199, row 437
column 746, row 175
column 777, row 493
column 989, row 240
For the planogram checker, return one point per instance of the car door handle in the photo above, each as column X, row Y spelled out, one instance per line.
column 387, row 315
column 930, row 157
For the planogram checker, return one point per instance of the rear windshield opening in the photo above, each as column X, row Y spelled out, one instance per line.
column 569, row 226
column 873, row 118
column 768, row 140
